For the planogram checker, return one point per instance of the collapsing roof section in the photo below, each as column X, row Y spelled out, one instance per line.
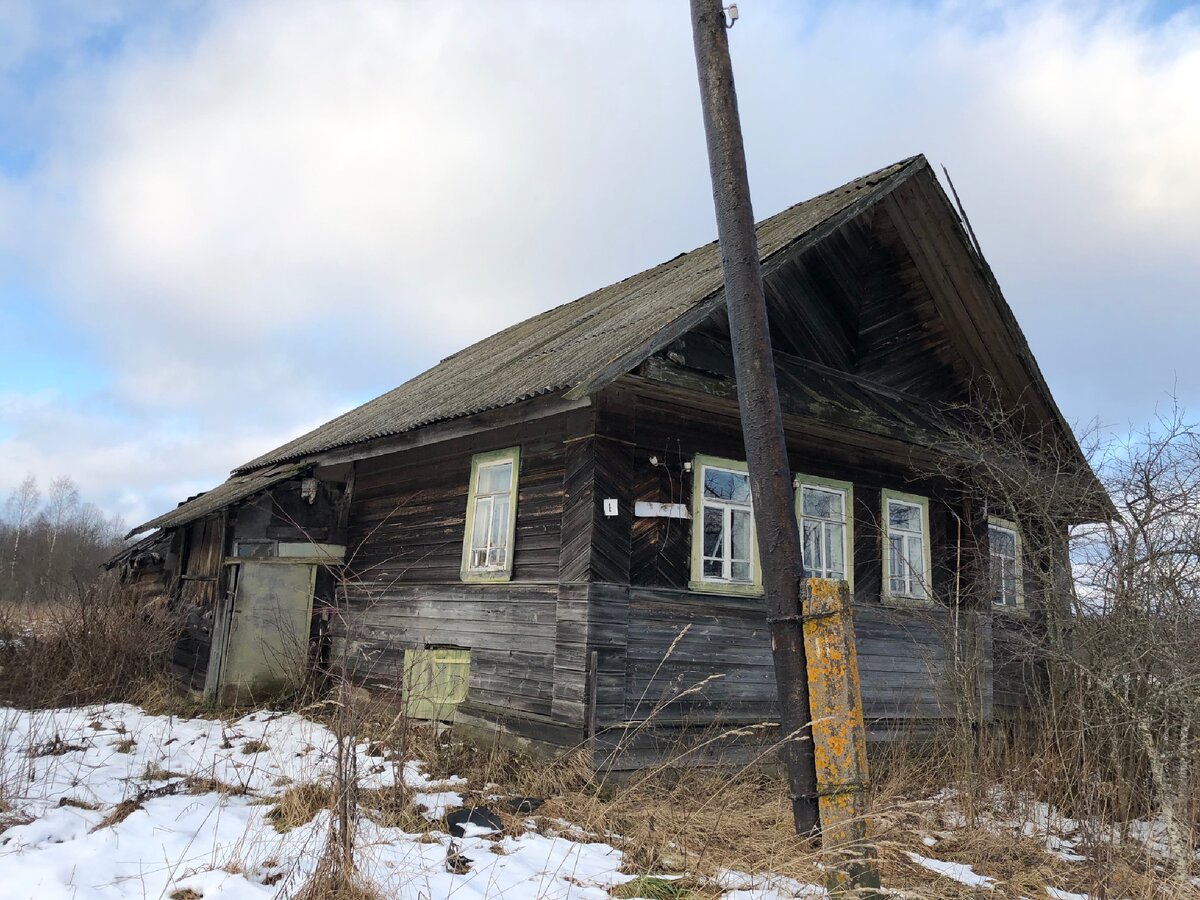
column 581, row 345
column 237, row 488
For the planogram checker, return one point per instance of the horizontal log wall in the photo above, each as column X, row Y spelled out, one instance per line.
column 694, row 659
column 403, row 587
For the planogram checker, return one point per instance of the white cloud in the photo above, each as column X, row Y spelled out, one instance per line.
column 306, row 201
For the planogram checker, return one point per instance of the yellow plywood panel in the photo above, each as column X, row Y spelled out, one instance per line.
column 435, row 681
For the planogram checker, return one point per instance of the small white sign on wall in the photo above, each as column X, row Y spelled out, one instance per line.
column 610, row 506
column 650, row 509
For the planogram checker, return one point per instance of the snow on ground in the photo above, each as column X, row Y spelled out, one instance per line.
column 108, row 802
column 960, row 872
column 64, row 772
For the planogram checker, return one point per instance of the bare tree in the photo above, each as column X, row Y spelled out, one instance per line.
column 1110, row 639
column 22, row 506
column 61, row 503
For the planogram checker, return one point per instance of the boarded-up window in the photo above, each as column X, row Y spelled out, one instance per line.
column 435, row 681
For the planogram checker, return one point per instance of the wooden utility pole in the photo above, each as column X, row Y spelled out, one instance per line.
column 758, row 399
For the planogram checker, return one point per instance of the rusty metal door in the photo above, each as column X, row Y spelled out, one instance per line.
column 267, row 647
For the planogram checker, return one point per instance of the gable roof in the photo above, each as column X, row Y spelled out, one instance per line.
column 582, row 345
column 579, row 347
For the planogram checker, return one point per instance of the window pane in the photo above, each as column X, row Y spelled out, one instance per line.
column 495, row 557
column 499, row 535
column 1003, row 542
column 495, row 478
column 740, row 539
column 814, row 565
column 897, row 566
column 478, row 559
column 1008, row 583
column 916, row 558
column 836, row 564
column 479, row 530
column 822, row 504
column 714, row 531
column 741, row 572
column 725, row 485
column 904, row 516
column 712, row 568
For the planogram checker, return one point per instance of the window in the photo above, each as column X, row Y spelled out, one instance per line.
column 491, row 516
column 1004, row 543
column 906, row 546
column 724, row 556
column 824, row 512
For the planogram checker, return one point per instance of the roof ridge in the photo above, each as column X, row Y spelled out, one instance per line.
column 561, row 347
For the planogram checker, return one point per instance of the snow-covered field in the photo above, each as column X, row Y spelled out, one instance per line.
column 66, row 771
column 109, row 801
column 200, row 827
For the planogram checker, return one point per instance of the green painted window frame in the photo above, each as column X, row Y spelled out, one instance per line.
column 478, row 461
column 1019, row 567
column 698, row 582
column 926, row 597
column 847, row 490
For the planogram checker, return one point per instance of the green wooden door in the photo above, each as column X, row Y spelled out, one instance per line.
column 267, row 647
column 435, row 682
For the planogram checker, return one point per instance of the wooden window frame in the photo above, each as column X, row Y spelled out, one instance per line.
column 846, row 489
column 888, row 496
column 1018, row 567
column 698, row 582
column 497, row 573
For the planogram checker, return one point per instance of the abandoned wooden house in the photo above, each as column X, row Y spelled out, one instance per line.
column 517, row 538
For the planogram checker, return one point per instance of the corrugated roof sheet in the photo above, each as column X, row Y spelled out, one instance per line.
column 566, row 347
column 238, row 487
column 571, row 344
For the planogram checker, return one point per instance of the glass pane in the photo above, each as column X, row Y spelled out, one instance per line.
column 822, row 504
column 714, row 531
column 712, row 568
column 814, row 565
column 836, row 564
column 741, row 572
column 495, row 478
column 495, row 557
column 1008, row 583
column 725, row 485
column 499, row 535
column 897, row 566
column 904, row 516
column 479, row 530
column 916, row 558
column 478, row 559
column 1002, row 541
column 740, row 538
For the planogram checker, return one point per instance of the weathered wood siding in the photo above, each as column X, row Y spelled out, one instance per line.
column 402, row 587
column 203, row 551
column 695, row 658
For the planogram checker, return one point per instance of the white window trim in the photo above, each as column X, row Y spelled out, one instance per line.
column 711, row 585
column 492, row 573
column 1019, row 568
column 847, row 491
column 926, row 594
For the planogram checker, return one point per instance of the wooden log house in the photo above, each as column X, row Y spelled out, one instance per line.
column 549, row 535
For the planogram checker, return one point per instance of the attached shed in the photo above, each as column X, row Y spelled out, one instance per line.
column 550, row 534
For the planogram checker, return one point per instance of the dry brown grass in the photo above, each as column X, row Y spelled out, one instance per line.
column 299, row 805
column 99, row 646
column 329, row 884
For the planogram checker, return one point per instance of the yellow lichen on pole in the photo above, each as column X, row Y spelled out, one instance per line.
column 839, row 735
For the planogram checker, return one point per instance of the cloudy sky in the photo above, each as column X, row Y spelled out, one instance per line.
column 223, row 223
